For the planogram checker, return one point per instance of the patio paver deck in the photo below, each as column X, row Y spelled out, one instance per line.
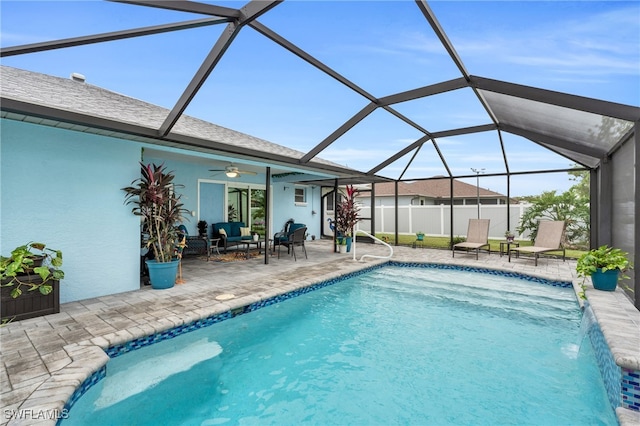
column 44, row 359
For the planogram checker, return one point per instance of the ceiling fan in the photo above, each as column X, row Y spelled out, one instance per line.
column 233, row 172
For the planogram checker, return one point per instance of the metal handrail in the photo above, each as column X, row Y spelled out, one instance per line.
column 375, row 239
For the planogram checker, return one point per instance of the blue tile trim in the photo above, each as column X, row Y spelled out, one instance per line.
column 554, row 283
column 622, row 385
column 117, row 350
column 83, row 388
column 295, row 293
column 631, row 389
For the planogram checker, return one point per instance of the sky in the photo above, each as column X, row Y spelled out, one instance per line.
column 586, row 48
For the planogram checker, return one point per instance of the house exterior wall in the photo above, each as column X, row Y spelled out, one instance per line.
column 63, row 188
column 285, row 207
column 283, row 202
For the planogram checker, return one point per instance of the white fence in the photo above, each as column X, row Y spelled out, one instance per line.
column 436, row 220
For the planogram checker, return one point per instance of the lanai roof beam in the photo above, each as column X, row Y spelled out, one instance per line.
column 110, row 36
column 186, row 6
column 580, row 103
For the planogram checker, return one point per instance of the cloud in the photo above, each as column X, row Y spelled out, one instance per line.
column 591, row 44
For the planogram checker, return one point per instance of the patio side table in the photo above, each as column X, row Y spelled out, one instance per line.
column 508, row 244
column 213, row 245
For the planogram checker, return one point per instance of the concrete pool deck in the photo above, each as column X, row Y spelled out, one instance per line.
column 45, row 359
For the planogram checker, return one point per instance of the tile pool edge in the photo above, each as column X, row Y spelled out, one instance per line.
column 619, row 322
column 249, row 304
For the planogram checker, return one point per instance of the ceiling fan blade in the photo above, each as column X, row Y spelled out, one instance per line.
column 246, row 172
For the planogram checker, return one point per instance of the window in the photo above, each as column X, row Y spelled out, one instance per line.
column 330, row 201
column 301, row 195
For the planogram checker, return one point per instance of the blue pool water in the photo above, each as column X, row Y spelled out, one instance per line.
column 392, row 346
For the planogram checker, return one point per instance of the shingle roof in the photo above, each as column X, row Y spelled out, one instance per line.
column 434, row 188
column 92, row 101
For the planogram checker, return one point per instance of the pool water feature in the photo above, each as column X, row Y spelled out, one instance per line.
column 394, row 345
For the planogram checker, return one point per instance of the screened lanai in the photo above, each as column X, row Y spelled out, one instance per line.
column 392, row 91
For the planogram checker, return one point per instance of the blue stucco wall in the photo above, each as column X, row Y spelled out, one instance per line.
column 63, row 188
column 285, row 208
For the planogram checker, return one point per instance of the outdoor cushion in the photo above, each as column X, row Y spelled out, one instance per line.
column 245, row 232
column 232, row 229
column 235, row 229
column 222, row 226
column 239, row 238
column 230, row 233
column 295, row 226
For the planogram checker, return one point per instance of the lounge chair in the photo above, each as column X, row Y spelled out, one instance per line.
column 296, row 238
column 548, row 238
column 477, row 237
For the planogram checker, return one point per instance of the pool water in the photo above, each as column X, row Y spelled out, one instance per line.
column 396, row 345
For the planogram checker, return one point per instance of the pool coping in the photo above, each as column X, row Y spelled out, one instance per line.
column 611, row 309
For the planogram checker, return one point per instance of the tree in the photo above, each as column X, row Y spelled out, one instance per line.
column 582, row 187
column 571, row 206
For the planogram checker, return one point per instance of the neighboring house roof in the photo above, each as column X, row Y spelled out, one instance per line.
column 91, row 107
column 434, row 188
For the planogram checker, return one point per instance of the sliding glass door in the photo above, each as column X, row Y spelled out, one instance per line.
column 246, row 203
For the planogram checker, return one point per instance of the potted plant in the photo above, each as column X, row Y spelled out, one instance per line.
column 155, row 199
column 605, row 265
column 342, row 244
column 510, row 236
column 347, row 215
column 202, row 228
column 420, row 236
column 36, row 268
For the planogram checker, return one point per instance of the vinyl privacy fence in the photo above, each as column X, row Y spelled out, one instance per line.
column 436, row 220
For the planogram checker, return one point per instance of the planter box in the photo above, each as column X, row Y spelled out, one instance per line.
column 30, row 304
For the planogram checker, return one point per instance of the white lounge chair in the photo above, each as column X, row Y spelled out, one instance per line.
column 477, row 237
column 548, row 238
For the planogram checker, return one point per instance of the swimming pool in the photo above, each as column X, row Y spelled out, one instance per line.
column 395, row 345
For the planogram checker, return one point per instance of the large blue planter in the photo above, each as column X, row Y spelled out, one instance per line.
column 606, row 281
column 348, row 244
column 163, row 274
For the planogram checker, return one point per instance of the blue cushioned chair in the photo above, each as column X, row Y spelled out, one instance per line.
column 283, row 237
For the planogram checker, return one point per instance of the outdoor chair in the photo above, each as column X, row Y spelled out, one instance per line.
column 296, row 238
column 477, row 237
column 283, row 236
column 548, row 238
column 195, row 245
